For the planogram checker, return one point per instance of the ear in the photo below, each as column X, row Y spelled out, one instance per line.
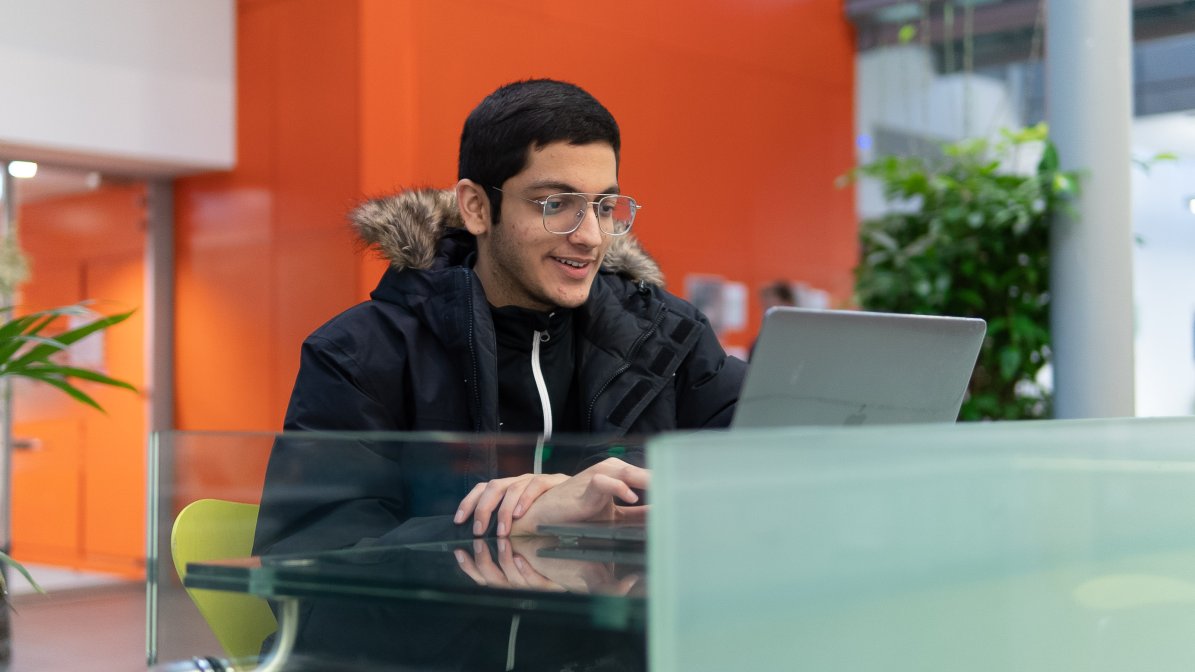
column 474, row 206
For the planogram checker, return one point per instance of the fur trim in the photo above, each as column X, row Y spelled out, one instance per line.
column 627, row 257
column 406, row 229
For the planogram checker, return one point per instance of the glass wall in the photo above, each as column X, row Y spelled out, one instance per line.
column 967, row 70
column 78, row 474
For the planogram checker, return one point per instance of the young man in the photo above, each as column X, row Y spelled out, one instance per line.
column 517, row 302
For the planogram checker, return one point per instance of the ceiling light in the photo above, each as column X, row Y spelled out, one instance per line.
column 23, row 169
column 1191, row 205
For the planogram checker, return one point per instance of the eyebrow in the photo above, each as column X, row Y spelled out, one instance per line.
column 565, row 187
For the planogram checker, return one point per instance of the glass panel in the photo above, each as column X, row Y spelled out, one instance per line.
column 358, row 530
column 996, row 546
column 185, row 467
column 72, row 499
column 78, row 476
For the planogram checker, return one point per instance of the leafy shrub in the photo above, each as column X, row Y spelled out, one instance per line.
column 967, row 236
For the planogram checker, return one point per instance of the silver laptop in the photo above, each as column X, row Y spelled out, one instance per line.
column 843, row 367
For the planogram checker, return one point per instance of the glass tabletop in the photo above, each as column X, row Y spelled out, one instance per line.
column 601, row 583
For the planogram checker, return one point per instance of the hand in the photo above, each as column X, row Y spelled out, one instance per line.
column 590, row 495
column 511, row 496
column 520, row 566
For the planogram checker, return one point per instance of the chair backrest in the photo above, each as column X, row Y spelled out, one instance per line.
column 215, row 529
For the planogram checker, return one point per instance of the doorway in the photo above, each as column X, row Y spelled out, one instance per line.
column 78, row 475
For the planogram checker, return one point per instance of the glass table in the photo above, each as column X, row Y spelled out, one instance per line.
column 578, row 585
column 1034, row 546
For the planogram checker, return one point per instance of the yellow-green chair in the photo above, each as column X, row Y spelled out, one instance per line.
column 215, row 529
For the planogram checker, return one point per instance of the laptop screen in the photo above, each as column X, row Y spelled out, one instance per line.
column 843, row 367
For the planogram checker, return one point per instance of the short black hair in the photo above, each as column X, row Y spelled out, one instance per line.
column 783, row 292
column 502, row 130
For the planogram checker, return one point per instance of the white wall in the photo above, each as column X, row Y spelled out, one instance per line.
column 1164, row 269
column 144, row 86
column 896, row 88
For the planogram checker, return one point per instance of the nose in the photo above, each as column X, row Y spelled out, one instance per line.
column 589, row 233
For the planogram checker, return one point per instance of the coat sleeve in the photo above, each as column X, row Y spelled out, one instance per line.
column 330, row 492
column 708, row 382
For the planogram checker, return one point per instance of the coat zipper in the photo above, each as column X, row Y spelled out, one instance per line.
column 545, row 402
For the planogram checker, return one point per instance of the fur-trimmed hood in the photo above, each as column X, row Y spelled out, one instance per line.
column 406, row 229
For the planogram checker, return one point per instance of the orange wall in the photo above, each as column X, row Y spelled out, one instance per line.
column 736, row 118
column 264, row 254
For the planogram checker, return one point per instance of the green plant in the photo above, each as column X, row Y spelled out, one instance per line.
column 967, row 236
column 28, row 350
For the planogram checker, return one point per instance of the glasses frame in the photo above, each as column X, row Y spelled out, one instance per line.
column 543, row 205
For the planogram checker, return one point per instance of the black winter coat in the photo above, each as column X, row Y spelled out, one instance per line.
column 421, row 355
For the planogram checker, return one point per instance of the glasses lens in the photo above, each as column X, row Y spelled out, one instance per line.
column 562, row 212
column 616, row 214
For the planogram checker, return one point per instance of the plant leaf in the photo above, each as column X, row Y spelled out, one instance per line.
column 73, row 391
column 75, row 372
column 14, row 332
column 41, row 352
column 7, row 559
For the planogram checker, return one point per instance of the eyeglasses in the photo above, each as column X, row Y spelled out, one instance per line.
column 563, row 213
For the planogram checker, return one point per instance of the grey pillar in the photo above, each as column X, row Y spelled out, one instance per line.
column 159, row 276
column 1089, row 109
column 159, row 298
column 8, row 218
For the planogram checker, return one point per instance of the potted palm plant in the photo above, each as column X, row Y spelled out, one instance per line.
column 31, row 346
column 29, row 349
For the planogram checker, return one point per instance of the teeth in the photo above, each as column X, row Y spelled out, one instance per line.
column 569, row 262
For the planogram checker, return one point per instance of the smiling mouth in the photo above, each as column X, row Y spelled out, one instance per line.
column 571, row 263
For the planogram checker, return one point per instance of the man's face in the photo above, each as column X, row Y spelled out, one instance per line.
column 519, row 262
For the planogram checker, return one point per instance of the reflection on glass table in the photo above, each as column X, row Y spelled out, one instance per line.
column 534, row 602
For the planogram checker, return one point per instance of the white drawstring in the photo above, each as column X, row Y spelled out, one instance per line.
column 538, row 468
column 544, row 401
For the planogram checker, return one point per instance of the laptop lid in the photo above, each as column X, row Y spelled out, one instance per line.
column 844, row 367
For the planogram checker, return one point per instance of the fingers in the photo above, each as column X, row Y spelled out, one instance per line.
column 602, row 486
column 510, row 500
column 588, row 496
column 631, row 514
column 465, row 508
column 490, row 572
column 626, row 585
column 636, row 477
column 482, row 500
column 534, row 489
column 511, row 570
column 468, row 566
column 534, row 579
column 521, row 555
column 506, row 562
